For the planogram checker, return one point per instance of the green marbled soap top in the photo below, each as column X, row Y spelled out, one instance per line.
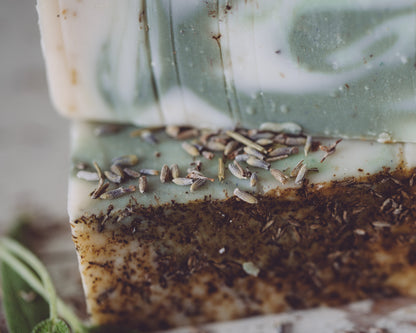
column 351, row 158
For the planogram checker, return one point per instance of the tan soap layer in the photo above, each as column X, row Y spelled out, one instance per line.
column 209, row 260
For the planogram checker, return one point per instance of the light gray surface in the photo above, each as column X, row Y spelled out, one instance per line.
column 33, row 138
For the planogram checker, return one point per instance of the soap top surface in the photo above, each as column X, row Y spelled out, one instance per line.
column 338, row 68
column 349, row 158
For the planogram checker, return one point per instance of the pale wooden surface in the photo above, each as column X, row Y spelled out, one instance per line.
column 33, row 138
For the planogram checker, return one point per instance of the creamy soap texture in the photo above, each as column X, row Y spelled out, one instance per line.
column 340, row 68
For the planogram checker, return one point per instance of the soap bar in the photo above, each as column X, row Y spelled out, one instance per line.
column 231, row 224
column 344, row 68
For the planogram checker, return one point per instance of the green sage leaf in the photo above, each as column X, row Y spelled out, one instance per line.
column 51, row 326
column 23, row 308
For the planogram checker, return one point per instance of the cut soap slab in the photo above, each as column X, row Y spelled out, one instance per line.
column 338, row 68
column 171, row 257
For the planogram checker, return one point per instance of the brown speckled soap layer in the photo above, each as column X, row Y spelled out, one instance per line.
column 155, row 267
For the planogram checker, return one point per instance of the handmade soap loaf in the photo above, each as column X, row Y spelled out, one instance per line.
column 179, row 226
column 338, row 68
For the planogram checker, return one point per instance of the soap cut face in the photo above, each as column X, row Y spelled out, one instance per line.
column 174, row 256
column 343, row 68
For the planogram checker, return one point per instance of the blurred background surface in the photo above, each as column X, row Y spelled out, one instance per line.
column 34, row 139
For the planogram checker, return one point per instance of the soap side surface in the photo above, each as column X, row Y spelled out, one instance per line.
column 171, row 256
column 338, row 69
